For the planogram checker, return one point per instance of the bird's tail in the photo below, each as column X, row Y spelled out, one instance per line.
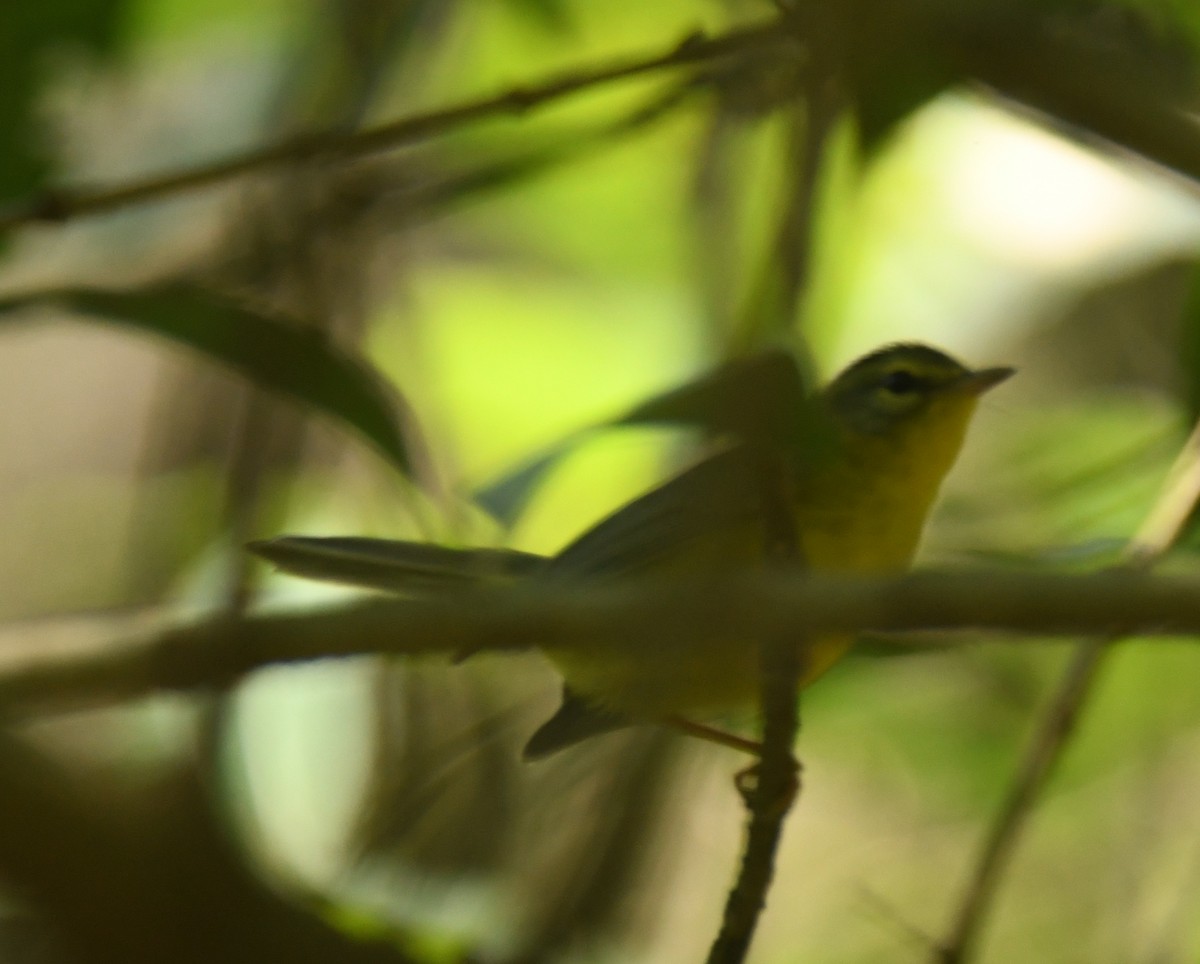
column 409, row 567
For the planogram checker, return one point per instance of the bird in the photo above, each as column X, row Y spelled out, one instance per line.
column 857, row 473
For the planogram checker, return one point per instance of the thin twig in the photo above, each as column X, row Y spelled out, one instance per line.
column 776, row 783
column 769, row 800
column 64, row 204
column 1160, row 530
column 823, row 105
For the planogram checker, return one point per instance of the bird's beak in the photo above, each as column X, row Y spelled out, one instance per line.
column 978, row 382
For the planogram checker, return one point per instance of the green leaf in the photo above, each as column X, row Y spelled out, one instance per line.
column 31, row 33
column 1120, row 71
column 284, row 357
column 506, row 497
column 553, row 16
column 759, row 398
column 1112, row 78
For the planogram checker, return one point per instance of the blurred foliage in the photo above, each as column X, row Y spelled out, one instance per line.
column 35, row 35
column 275, row 355
column 1012, row 180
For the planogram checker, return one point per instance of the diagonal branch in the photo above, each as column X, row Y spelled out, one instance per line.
column 1161, row 529
column 64, row 205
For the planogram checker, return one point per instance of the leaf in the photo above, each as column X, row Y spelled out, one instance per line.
column 1115, row 71
column 284, row 357
column 31, row 32
column 506, row 498
column 553, row 16
column 760, row 398
column 888, row 91
column 1109, row 79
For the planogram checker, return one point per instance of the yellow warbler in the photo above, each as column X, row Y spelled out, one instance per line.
column 892, row 424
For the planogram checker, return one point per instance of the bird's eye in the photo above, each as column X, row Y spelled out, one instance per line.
column 900, row 382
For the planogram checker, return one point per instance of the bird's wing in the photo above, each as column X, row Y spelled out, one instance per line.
column 722, row 493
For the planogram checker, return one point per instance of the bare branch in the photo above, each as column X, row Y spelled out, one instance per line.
column 619, row 617
column 64, row 205
column 782, row 656
column 776, row 776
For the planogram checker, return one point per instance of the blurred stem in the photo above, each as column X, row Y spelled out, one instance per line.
column 64, row 205
column 1161, row 529
column 243, row 485
column 776, row 783
column 244, row 474
column 794, row 248
column 773, row 308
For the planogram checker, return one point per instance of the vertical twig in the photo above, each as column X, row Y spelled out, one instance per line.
column 1158, row 533
column 776, row 781
column 775, row 304
column 777, row 784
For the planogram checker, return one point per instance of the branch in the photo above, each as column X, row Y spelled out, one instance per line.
column 63, row 205
column 617, row 616
column 782, row 656
column 776, row 776
column 1161, row 529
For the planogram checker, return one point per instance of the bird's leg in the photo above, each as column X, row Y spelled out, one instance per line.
column 746, row 779
column 746, row 782
column 712, row 734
